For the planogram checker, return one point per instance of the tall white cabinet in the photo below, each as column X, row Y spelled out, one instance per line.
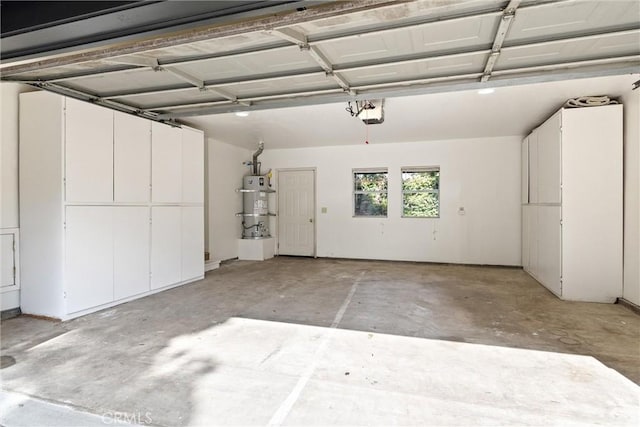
column 111, row 206
column 572, row 203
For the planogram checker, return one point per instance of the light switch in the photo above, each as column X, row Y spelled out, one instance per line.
column 323, row 210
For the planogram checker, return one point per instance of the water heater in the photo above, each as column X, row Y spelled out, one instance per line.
column 255, row 201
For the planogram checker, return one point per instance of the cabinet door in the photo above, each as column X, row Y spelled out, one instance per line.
column 192, row 166
column 132, row 158
column 166, row 169
column 166, row 244
column 132, row 245
column 526, row 236
column 533, row 167
column 88, row 152
column 524, row 175
column 549, row 254
column 88, row 257
column 548, row 175
column 532, row 227
column 7, row 260
column 192, row 242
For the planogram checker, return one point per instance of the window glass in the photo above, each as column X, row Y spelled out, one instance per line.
column 421, row 192
column 370, row 193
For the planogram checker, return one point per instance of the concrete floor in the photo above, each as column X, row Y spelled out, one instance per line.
column 296, row 341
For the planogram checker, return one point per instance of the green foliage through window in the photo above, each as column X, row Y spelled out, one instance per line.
column 370, row 193
column 421, row 192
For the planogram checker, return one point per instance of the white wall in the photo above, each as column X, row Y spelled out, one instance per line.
column 225, row 172
column 481, row 175
column 631, row 102
column 9, row 216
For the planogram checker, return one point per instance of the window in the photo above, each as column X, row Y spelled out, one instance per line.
column 421, row 192
column 370, row 192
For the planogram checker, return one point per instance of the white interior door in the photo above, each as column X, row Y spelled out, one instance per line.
column 88, row 256
column 296, row 212
column 132, row 158
column 166, row 244
column 7, row 260
column 88, row 152
column 131, row 240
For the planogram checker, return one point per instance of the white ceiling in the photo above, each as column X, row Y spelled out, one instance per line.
column 509, row 111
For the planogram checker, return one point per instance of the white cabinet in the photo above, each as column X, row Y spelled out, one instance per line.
column 88, row 152
column 526, row 237
column 572, row 221
column 7, row 260
column 192, row 242
column 192, row 167
column 131, row 250
column 88, row 256
column 166, row 149
column 132, row 158
column 107, row 254
column 166, row 245
column 548, row 258
column 524, row 167
column 92, row 234
column 548, row 160
column 177, row 251
column 532, row 182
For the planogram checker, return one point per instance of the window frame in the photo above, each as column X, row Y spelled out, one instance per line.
column 410, row 169
column 354, row 192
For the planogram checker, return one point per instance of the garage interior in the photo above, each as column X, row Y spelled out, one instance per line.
column 209, row 213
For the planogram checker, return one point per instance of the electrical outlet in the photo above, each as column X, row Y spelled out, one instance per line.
column 461, row 211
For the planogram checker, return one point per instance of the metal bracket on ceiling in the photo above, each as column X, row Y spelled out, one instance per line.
column 292, row 36
column 508, row 15
column 301, row 40
column 200, row 84
column 186, row 77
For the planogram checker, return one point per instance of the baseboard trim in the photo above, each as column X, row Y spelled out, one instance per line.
column 211, row 265
column 631, row 306
column 458, row 264
column 10, row 313
column 39, row 317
